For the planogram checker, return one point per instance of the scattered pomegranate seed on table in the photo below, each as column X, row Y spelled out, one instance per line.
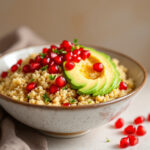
column 133, row 140
column 119, row 123
column 139, row 120
column 140, row 130
column 123, row 86
column 4, row 74
column 148, row 118
column 31, row 86
column 14, row 68
column 98, row 67
column 130, row 129
column 124, row 142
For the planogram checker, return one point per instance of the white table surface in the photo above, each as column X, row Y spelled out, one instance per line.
column 96, row 139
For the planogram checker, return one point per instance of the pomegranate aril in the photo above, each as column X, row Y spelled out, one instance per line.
column 51, row 63
column 98, row 67
column 14, row 68
column 130, row 129
column 45, row 61
column 119, row 123
column 133, row 140
column 140, row 130
column 69, row 65
column 31, row 86
column 53, row 69
column 19, row 62
column 53, row 47
column 68, row 56
column 77, row 52
column 139, row 120
column 52, row 55
column 45, row 50
column 77, row 59
column 66, row 104
column 53, row 89
column 124, row 142
column 123, row 86
column 26, row 68
column 65, row 44
column 58, row 60
column 35, row 66
column 31, row 61
column 60, row 81
column 4, row 74
column 85, row 54
column 148, row 118
column 38, row 59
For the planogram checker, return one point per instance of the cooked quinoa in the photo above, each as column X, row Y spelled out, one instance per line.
column 14, row 86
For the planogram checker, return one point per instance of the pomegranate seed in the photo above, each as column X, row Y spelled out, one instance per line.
column 77, row 59
column 35, row 66
column 60, row 81
column 124, row 142
column 14, row 68
column 140, row 130
column 45, row 50
column 53, row 69
column 123, row 86
column 31, row 61
column 52, row 55
column 58, row 60
column 51, row 63
column 66, row 44
column 69, row 65
column 130, row 129
column 66, row 104
column 45, row 61
column 68, row 56
column 85, row 54
column 31, row 86
column 26, row 68
column 139, row 120
column 53, row 47
column 53, row 89
column 98, row 67
column 148, row 118
column 19, row 62
column 4, row 74
column 77, row 52
column 38, row 59
column 119, row 123
column 133, row 140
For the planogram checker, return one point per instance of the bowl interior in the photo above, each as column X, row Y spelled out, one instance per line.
column 135, row 70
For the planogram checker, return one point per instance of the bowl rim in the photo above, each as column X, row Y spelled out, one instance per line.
column 9, row 99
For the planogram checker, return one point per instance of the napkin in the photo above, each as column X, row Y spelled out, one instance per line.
column 14, row 135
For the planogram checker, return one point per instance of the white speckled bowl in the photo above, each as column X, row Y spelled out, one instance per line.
column 69, row 121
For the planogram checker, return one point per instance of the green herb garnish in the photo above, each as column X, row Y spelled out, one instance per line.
column 32, row 80
column 44, row 67
column 72, row 100
column 28, row 97
column 52, row 77
column 89, row 102
column 73, row 48
column 107, row 140
column 75, row 41
column 46, row 98
column 64, row 88
column 55, row 51
column 42, row 55
column 62, row 51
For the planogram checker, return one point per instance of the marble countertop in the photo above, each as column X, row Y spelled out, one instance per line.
column 96, row 139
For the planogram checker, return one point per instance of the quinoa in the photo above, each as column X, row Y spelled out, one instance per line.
column 14, row 86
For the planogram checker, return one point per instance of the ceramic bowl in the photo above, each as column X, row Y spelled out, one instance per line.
column 69, row 121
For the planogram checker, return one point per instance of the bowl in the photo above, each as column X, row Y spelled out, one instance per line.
column 71, row 121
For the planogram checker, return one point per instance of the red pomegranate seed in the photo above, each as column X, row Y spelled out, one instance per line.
column 52, row 55
column 19, row 62
column 68, row 56
column 98, row 67
column 119, row 123
column 148, row 118
column 124, row 142
column 14, row 68
column 53, row 89
column 130, row 129
column 4, row 74
column 69, row 65
column 58, row 60
column 45, row 50
column 60, row 81
column 51, row 63
column 53, row 69
column 66, row 44
column 77, row 59
column 45, row 61
column 133, row 140
column 26, row 68
column 77, row 52
column 35, row 66
column 139, row 120
column 38, row 59
column 53, row 47
column 140, row 130
column 31, row 61
column 123, row 86
column 85, row 54
column 66, row 104
column 31, row 86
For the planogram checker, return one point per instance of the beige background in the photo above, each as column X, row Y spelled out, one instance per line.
column 123, row 25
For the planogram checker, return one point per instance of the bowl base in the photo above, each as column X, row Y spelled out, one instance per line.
column 64, row 135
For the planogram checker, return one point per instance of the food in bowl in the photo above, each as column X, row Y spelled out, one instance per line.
column 68, row 74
